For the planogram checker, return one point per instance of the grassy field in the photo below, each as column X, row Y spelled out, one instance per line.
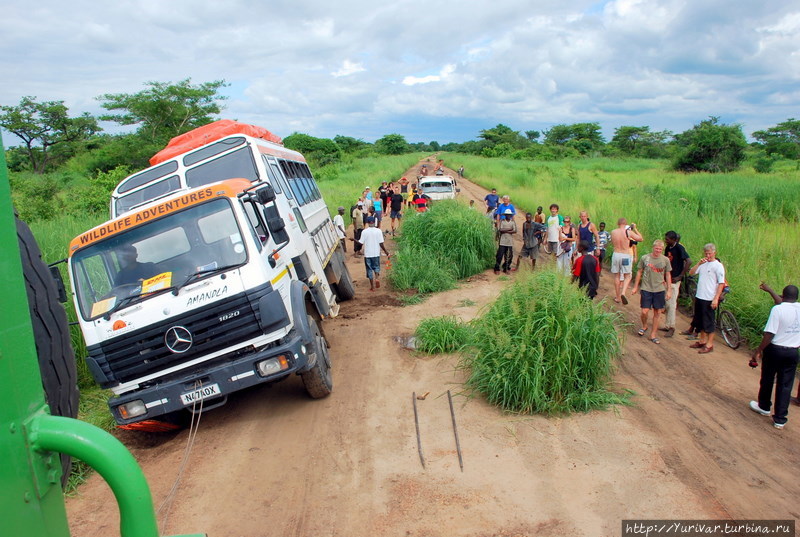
column 752, row 218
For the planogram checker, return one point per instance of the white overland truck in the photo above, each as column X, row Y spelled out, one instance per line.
column 213, row 275
column 438, row 187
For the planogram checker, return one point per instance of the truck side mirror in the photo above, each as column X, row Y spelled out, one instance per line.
column 265, row 194
column 59, row 281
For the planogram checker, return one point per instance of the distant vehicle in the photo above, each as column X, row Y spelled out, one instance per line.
column 441, row 187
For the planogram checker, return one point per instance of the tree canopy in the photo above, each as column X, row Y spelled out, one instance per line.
column 392, row 144
column 44, row 126
column 711, row 147
column 165, row 110
column 782, row 139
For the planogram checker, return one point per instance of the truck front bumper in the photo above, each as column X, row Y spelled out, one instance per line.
column 211, row 386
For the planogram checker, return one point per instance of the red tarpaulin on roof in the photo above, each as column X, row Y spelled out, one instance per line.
column 207, row 134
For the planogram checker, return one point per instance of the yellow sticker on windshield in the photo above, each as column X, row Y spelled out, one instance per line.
column 99, row 308
column 157, row 283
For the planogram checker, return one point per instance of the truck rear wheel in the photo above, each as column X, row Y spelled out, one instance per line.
column 318, row 380
column 50, row 333
column 344, row 288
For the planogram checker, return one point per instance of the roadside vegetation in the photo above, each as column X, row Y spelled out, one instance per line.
column 437, row 248
column 541, row 347
column 753, row 218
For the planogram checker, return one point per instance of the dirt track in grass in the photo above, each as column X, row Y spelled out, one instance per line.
column 274, row 463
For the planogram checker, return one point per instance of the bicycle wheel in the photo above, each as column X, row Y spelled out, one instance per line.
column 729, row 328
column 546, row 247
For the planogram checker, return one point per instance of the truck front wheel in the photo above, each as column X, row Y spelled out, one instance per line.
column 318, row 380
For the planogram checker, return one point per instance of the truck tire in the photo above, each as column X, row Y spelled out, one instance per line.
column 318, row 380
column 51, row 335
column 344, row 288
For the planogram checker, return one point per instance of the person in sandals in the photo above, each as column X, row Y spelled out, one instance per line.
column 653, row 274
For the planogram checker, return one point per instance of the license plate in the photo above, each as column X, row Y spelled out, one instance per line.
column 199, row 394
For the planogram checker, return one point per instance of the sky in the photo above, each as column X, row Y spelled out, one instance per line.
column 427, row 69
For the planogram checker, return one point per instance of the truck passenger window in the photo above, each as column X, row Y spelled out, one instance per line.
column 275, row 184
column 239, row 163
column 257, row 227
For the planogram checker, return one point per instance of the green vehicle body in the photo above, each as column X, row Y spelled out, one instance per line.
column 31, row 499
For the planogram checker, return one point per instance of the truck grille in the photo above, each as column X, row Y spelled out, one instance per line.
column 142, row 352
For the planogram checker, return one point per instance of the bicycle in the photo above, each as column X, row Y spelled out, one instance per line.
column 724, row 318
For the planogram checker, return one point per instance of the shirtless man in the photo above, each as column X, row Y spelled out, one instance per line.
column 622, row 259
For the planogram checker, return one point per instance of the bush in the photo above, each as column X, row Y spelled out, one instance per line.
column 95, row 198
column 544, row 347
column 438, row 247
column 710, row 147
column 763, row 164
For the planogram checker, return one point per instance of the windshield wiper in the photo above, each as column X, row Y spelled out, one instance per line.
column 128, row 299
column 199, row 273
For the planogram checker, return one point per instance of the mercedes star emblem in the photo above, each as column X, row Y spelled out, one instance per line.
column 178, row 339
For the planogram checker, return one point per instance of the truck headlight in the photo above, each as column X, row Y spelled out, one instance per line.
column 133, row 409
column 272, row 366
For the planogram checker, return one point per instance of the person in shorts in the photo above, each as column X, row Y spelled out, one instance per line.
column 621, row 258
column 710, row 285
column 372, row 240
column 554, row 223
column 654, row 278
column 530, row 243
column 395, row 209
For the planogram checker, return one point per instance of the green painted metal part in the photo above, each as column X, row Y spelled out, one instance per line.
column 31, row 501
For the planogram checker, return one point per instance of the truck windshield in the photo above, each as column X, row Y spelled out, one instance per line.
column 437, row 187
column 138, row 263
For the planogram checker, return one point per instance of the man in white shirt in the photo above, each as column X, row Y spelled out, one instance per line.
column 710, row 284
column 372, row 239
column 338, row 223
column 779, row 357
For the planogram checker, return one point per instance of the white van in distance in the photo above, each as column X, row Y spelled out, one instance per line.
column 438, row 187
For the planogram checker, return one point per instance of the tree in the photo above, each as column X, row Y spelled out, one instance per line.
column 585, row 137
column 165, row 110
column 44, row 127
column 504, row 134
column 639, row 141
column 392, row 144
column 532, row 136
column 348, row 144
column 782, row 139
column 321, row 150
column 710, row 146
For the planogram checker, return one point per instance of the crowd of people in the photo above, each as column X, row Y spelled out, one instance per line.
column 581, row 250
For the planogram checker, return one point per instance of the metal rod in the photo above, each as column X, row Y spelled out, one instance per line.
column 416, row 424
column 455, row 431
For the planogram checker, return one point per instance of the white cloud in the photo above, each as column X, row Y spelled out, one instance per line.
column 665, row 63
column 348, row 68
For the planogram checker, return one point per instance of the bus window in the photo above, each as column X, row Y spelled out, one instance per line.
column 239, row 163
column 275, row 184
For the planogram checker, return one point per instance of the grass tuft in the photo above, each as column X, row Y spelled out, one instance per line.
column 441, row 246
column 441, row 335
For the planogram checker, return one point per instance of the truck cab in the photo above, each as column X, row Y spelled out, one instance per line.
column 215, row 273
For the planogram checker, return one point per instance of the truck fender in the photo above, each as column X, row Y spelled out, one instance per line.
column 306, row 302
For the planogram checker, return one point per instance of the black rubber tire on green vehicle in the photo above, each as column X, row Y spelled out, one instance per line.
column 50, row 333
column 318, row 380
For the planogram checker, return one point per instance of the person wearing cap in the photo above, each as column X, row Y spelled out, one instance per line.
column 503, row 207
column 506, row 230
column 367, row 195
column 358, row 227
column 372, row 239
column 338, row 223
column 530, row 243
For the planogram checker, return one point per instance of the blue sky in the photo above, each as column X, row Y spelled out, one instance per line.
column 429, row 70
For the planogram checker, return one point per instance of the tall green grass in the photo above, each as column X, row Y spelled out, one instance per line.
column 543, row 347
column 441, row 246
column 441, row 334
column 753, row 218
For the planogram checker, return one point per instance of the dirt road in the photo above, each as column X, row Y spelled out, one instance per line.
column 274, row 463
